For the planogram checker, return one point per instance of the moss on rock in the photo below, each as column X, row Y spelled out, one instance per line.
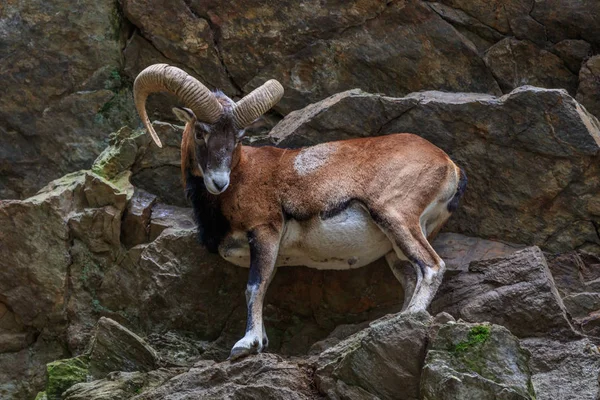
column 63, row 374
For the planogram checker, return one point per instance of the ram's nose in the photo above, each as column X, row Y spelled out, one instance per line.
column 220, row 184
column 217, row 183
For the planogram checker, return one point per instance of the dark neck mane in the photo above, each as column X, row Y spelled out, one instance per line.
column 212, row 224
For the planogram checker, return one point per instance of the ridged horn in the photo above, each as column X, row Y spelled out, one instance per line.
column 165, row 78
column 256, row 103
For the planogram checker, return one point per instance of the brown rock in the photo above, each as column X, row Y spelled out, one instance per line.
column 264, row 376
column 516, row 291
column 516, row 63
column 318, row 52
column 62, row 89
column 116, row 348
column 136, row 221
column 458, row 251
column 589, row 85
column 572, row 52
column 383, row 361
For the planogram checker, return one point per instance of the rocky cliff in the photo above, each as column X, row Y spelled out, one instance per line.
column 105, row 292
column 67, row 68
column 102, row 269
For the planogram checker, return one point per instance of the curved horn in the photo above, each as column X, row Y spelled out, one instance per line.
column 258, row 102
column 163, row 77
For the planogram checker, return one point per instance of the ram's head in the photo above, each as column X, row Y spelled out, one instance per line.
column 214, row 123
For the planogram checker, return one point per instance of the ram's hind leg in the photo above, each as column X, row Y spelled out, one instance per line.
column 409, row 242
column 405, row 273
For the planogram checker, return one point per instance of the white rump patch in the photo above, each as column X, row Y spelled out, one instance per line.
column 312, row 158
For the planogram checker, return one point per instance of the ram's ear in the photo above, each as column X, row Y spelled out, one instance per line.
column 184, row 114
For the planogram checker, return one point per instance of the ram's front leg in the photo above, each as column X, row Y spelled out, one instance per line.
column 264, row 245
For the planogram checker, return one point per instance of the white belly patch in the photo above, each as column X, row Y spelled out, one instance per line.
column 347, row 240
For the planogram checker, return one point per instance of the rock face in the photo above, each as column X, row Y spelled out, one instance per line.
column 98, row 269
column 116, row 348
column 265, row 376
column 517, row 292
column 470, row 361
column 67, row 70
column 63, row 89
column 564, row 370
column 382, row 361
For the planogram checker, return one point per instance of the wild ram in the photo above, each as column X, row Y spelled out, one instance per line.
column 337, row 205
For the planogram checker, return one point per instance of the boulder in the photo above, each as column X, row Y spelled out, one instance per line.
column 517, row 292
column 544, row 163
column 116, row 348
column 63, row 374
column 473, row 361
column 121, row 385
column 564, row 370
column 382, row 361
column 264, row 376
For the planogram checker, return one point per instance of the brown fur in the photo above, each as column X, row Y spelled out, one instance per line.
column 264, row 183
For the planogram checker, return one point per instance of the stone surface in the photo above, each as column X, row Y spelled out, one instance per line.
column 264, row 376
column 116, row 348
column 517, row 292
column 544, row 163
column 121, row 385
column 564, row 370
column 458, row 251
column 63, row 374
column 63, row 89
column 573, row 52
column 383, row 361
column 471, row 361
column 589, row 85
column 516, row 63
column 52, row 125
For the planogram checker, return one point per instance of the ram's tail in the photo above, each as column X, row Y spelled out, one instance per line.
column 460, row 190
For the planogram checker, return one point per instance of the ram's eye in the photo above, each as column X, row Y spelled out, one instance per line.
column 199, row 137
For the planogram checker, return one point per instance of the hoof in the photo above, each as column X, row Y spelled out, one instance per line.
column 245, row 347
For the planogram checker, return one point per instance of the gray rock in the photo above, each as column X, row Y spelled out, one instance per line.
column 116, row 348
column 516, row 63
column 516, row 291
column 564, row 370
column 458, row 251
column 582, row 304
column 383, row 361
column 63, row 89
column 121, row 385
column 572, row 52
column 589, row 85
column 264, row 376
column 471, row 361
